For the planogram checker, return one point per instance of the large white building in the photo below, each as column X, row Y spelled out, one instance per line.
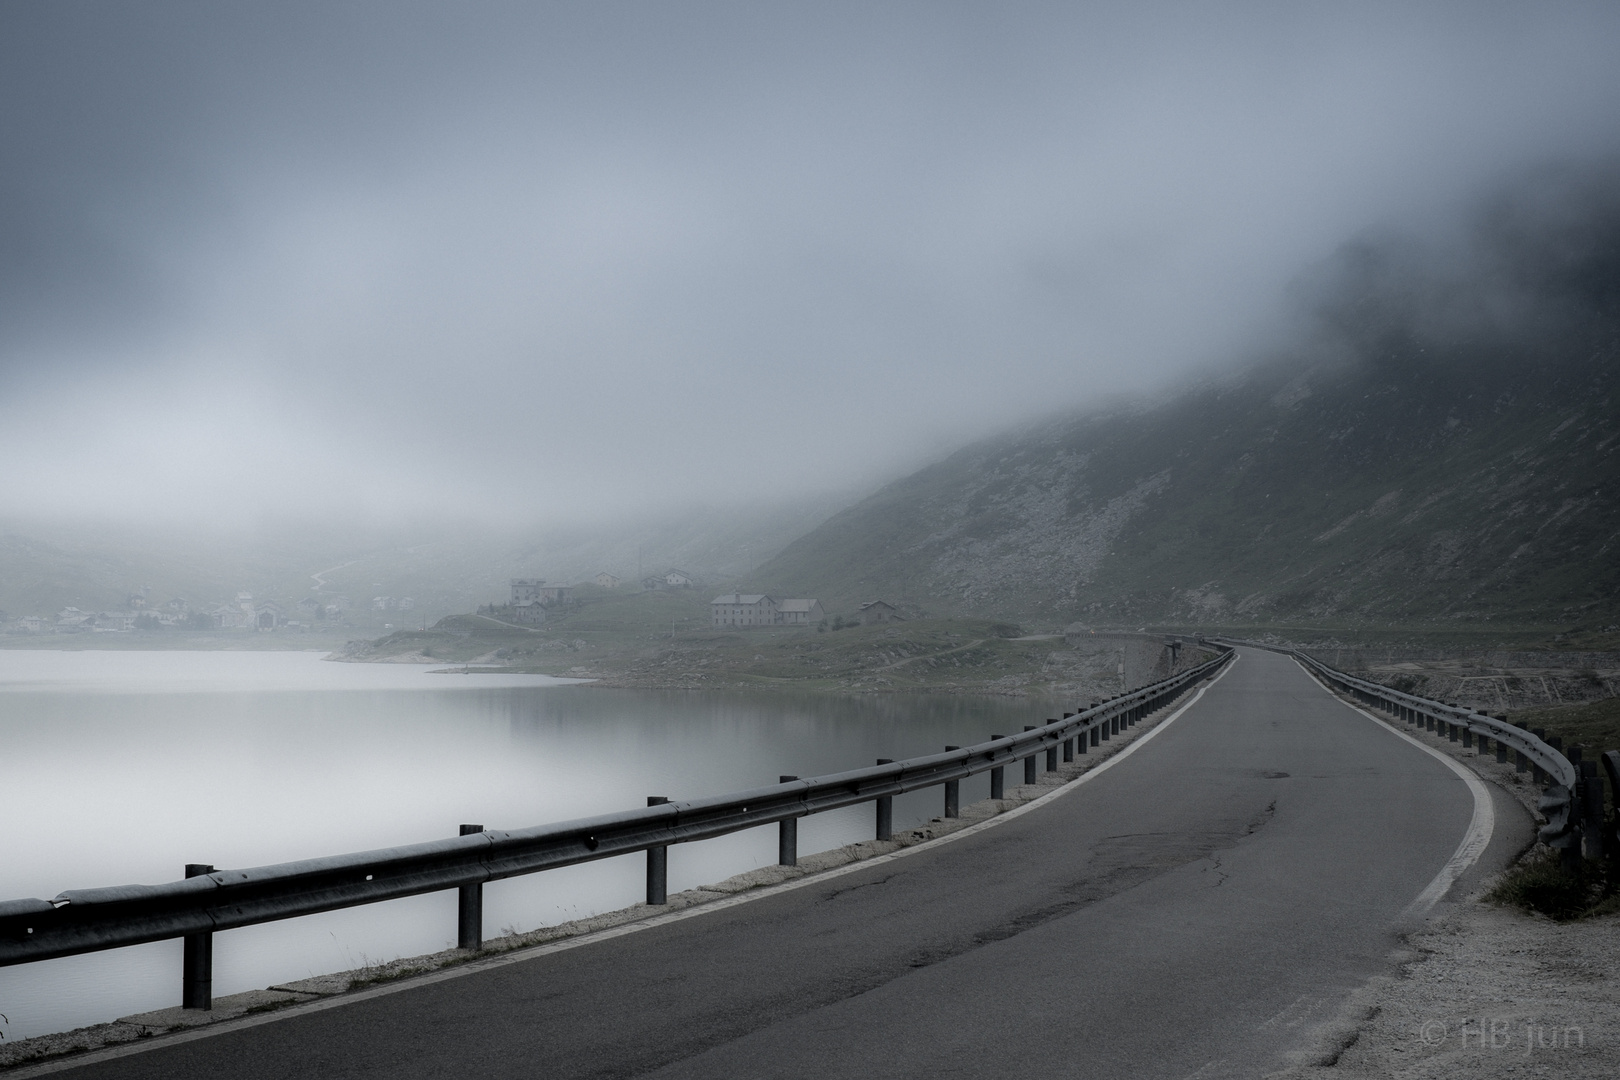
column 747, row 610
column 743, row 610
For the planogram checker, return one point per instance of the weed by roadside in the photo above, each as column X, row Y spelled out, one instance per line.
column 1539, row 883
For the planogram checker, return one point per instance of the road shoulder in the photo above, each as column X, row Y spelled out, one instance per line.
column 1482, row 990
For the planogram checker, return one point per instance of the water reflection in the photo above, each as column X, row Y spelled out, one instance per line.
column 107, row 778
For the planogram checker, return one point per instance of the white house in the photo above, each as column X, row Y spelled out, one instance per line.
column 531, row 614
column 536, row 591
column 743, row 610
column 607, row 580
column 678, row 579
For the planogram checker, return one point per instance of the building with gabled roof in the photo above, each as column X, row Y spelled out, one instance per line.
column 879, row 611
column 743, row 610
column 800, row 612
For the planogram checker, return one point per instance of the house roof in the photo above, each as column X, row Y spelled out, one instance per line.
column 877, row 603
column 796, row 605
column 739, row 598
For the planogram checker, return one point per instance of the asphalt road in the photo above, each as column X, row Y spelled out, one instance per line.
column 1196, row 910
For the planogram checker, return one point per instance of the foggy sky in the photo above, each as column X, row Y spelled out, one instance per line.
column 562, row 261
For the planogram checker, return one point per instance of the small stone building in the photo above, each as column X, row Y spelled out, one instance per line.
column 800, row 612
column 879, row 611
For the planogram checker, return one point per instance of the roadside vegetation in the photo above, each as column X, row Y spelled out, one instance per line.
column 1540, row 883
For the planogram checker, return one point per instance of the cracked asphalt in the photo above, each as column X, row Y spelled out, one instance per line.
column 1199, row 909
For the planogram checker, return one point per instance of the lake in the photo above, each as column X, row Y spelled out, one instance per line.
column 121, row 767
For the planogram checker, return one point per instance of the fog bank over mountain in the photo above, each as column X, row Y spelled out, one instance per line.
column 1440, row 446
column 548, row 266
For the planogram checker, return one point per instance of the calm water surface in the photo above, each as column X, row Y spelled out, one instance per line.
column 121, row 767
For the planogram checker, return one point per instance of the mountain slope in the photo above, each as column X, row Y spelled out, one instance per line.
column 1440, row 446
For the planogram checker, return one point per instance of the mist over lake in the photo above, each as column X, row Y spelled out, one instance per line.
column 121, row 767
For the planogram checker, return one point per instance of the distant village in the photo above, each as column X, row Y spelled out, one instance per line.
column 244, row 613
column 532, row 600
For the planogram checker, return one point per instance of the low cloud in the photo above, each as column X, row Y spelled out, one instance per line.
column 500, row 261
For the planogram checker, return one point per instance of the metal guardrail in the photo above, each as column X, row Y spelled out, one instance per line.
column 1574, row 786
column 209, row 900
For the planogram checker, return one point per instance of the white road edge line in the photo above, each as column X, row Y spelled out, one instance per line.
column 1480, row 826
column 224, row 1027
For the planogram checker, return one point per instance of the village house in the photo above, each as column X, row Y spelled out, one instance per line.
column 878, row 611
column 607, row 581
column 677, row 579
column 745, row 610
column 531, row 614
column 800, row 612
column 536, row 591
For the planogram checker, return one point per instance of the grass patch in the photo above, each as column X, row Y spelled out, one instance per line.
column 1539, row 883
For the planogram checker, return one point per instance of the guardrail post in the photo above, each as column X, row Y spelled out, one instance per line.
column 657, row 864
column 1451, row 731
column 998, row 778
column 1468, row 738
column 1611, row 765
column 1029, row 762
column 197, row 962
column 470, row 907
column 1068, row 749
column 1501, row 747
column 1096, row 734
column 1591, row 810
column 885, row 809
column 1051, row 756
column 953, row 791
column 787, row 834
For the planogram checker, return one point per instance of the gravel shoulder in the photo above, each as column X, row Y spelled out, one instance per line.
column 1483, row 991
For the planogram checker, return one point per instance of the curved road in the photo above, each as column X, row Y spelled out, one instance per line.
column 1197, row 910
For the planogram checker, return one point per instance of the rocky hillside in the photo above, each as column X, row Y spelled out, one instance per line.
column 1438, row 446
